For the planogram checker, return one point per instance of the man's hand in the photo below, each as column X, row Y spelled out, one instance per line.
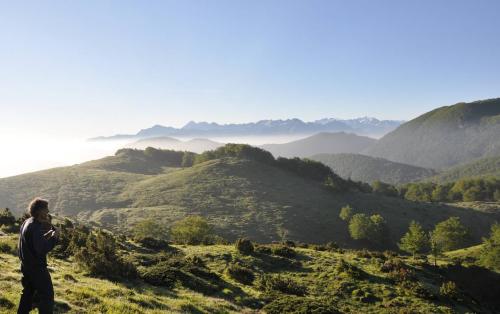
column 51, row 233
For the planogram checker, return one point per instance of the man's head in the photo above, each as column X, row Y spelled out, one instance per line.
column 39, row 208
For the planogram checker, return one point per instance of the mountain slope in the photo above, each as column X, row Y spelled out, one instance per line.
column 328, row 143
column 445, row 136
column 484, row 167
column 368, row 169
column 241, row 197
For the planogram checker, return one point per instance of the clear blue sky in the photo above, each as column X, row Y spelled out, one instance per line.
column 102, row 67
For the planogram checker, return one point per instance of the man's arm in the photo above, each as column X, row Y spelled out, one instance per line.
column 41, row 244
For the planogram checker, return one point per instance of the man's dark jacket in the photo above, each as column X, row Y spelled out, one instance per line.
column 33, row 247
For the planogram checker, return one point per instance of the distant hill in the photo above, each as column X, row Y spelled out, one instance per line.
column 484, row 167
column 197, row 145
column 362, row 126
column 368, row 169
column 328, row 143
column 445, row 136
column 240, row 196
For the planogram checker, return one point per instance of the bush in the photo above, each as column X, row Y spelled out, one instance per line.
column 153, row 243
column 449, row 290
column 284, row 251
column 160, row 274
column 191, row 230
column 300, row 305
column 279, row 284
column 244, row 246
column 99, row 257
column 263, row 250
column 348, row 269
column 9, row 248
column 240, row 273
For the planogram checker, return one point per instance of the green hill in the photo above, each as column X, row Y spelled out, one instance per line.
column 327, row 143
column 445, row 136
column 484, row 167
column 240, row 196
column 368, row 169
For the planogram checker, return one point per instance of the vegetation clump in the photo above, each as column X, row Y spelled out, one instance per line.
column 284, row 251
column 272, row 283
column 192, row 230
column 244, row 246
column 240, row 273
column 490, row 253
column 415, row 240
column 99, row 257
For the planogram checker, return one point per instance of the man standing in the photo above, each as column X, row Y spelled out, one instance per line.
column 34, row 244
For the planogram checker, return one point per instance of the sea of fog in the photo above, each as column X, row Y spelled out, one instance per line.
column 28, row 153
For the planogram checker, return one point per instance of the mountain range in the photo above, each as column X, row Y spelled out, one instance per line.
column 363, row 126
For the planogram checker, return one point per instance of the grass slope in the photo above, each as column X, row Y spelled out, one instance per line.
column 350, row 281
column 368, row 169
column 445, row 136
column 329, row 143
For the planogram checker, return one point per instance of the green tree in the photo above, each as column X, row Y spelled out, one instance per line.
column 440, row 193
column 191, row 230
column 368, row 228
column 382, row 188
column 490, row 253
column 449, row 234
column 359, row 226
column 346, row 213
column 472, row 194
column 415, row 240
column 149, row 228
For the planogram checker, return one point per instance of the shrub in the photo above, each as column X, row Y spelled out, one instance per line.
column 284, row 285
column 284, row 251
column 490, row 254
column 300, row 305
column 449, row 290
column 191, row 230
column 263, row 250
column 240, row 273
column 244, row 246
column 153, row 243
column 149, row 228
column 348, row 269
column 8, row 248
column 99, row 257
column 160, row 274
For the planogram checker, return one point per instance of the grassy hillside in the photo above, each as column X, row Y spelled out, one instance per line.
column 445, row 136
column 327, row 143
column 484, row 167
column 315, row 277
column 368, row 169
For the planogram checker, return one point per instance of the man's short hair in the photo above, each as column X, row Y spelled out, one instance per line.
column 37, row 205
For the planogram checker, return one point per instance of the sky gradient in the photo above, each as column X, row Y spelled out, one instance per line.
column 89, row 68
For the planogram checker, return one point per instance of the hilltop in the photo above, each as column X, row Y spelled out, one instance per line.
column 444, row 137
column 256, row 197
column 368, row 169
column 197, row 145
column 328, row 143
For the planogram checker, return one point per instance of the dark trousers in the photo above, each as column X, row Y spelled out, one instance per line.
column 36, row 281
